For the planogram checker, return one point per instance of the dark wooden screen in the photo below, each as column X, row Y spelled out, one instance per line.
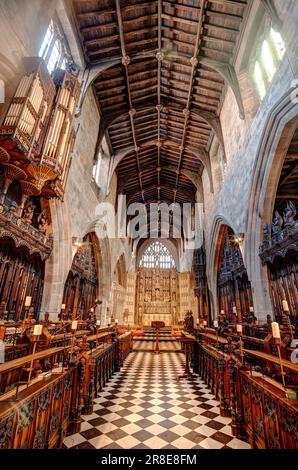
column 80, row 289
column 234, row 288
column 21, row 275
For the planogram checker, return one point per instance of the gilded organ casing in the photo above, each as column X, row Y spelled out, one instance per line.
column 37, row 135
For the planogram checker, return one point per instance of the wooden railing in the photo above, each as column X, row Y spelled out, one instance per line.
column 260, row 410
column 40, row 419
column 42, row 413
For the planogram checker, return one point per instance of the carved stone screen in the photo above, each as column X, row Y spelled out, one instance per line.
column 157, row 287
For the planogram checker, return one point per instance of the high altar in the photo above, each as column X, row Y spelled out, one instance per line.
column 157, row 296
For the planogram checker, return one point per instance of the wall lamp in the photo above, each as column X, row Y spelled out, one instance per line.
column 77, row 242
column 239, row 237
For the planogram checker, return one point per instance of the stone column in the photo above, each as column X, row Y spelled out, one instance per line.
column 59, row 263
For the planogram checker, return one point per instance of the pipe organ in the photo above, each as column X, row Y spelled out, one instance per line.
column 37, row 133
column 36, row 140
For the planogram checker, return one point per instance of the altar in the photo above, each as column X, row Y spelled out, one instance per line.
column 157, row 311
column 157, row 296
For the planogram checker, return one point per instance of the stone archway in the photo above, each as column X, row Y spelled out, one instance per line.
column 157, row 293
column 277, row 135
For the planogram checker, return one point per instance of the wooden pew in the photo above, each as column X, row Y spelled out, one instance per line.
column 15, row 371
column 39, row 416
column 269, row 418
column 260, row 409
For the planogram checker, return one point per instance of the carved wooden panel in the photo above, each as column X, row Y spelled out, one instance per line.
column 234, row 288
column 21, row 275
column 81, row 285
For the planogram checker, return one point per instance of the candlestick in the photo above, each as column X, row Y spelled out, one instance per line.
column 37, row 330
column 28, row 301
column 275, row 330
column 281, row 366
column 36, row 333
column 276, row 336
column 215, row 324
column 239, row 331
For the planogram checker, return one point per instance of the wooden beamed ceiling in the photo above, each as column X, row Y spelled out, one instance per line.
column 158, row 89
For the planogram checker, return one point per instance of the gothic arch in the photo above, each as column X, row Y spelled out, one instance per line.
column 213, row 253
column 277, row 134
column 168, row 243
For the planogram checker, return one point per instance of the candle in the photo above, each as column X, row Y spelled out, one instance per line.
column 63, row 307
column 98, row 323
column 239, row 328
column 91, row 309
column 28, row 301
column 204, row 323
column 234, row 309
column 116, row 322
column 215, row 324
column 285, row 306
column 275, row 330
column 251, row 309
column 74, row 325
column 198, row 321
column 37, row 330
column 222, row 312
column 109, row 320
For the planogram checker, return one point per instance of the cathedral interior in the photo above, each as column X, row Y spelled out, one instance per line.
column 148, row 224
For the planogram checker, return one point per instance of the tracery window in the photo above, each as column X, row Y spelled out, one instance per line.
column 53, row 49
column 272, row 51
column 96, row 170
column 157, row 256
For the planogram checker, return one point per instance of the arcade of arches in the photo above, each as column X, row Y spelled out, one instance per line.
column 149, row 224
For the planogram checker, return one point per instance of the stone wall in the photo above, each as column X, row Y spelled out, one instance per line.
column 23, row 24
column 230, row 204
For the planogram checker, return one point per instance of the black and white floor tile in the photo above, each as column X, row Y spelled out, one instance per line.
column 145, row 345
column 145, row 407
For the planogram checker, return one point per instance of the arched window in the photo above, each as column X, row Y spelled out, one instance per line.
column 53, row 49
column 96, row 169
column 157, row 256
column 272, row 52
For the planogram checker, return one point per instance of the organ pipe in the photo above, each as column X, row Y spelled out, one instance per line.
column 39, row 122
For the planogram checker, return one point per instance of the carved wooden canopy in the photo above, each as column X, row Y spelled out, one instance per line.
column 159, row 69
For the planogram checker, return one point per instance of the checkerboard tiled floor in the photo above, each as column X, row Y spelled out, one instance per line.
column 141, row 345
column 144, row 407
